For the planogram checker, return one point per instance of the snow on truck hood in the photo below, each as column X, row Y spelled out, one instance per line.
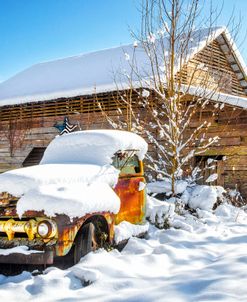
column 75, row 200
column 20, row 181
column 70, row 189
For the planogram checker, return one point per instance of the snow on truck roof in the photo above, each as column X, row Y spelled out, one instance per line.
column 92, row 147
column 98, row 71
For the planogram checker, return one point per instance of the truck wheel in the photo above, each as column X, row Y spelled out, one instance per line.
column 85, row 242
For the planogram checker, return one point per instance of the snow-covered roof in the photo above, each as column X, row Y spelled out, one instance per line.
column 94, row 72
column 220, row 97
column 92, row 147
column 230, row 100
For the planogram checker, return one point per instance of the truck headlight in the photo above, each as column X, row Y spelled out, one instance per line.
column 46, row 229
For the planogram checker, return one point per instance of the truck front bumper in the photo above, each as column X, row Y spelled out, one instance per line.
column 42, row 257
column 43, row 253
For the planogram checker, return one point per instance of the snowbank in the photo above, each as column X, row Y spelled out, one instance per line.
column 126, row 230
column 195, row 196
column 230, row 213
column 92, row 147
column 158, row 211
column 172, row 213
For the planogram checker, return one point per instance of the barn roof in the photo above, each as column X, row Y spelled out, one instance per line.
column 94, row 72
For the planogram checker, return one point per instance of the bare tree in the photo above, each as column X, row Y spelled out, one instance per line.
column 172, row 84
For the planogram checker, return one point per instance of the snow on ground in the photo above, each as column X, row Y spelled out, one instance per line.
column 125, row 230
column 196, row 196
column 165, row 186
column 204, row 197
column 205, row 261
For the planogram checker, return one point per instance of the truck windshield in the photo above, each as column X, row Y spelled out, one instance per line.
column 127, row 162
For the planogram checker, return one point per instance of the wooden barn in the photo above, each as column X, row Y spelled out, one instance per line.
column 40, row 102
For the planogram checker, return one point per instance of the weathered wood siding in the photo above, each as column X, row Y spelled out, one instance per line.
column 230, row 124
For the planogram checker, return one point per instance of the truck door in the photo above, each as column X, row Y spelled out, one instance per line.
column 130, row 187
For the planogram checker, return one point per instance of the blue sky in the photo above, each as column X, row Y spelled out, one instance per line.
column 34, row 31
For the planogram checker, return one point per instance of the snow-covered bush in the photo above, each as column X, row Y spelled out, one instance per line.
column 197, row 207
column 204, row 197
column 190, row 199
column 159, row 212
column 193, row 195
column 234, row 197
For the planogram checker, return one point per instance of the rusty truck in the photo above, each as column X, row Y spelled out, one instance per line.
column 60, row 236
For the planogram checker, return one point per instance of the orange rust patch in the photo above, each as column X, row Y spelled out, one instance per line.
column 132, row 207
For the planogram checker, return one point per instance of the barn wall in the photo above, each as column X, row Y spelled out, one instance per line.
column 229, row 124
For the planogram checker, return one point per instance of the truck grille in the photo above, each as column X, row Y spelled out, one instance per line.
column 24, row 228
column 20, row 235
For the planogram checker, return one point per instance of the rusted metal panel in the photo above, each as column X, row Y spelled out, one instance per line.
column 67, row 230
column 7, row 200
column 110, row 218
column 65, row 239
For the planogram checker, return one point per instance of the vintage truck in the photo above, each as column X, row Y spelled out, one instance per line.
column 86, row 183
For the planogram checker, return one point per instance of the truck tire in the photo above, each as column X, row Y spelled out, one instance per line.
column 85, row 241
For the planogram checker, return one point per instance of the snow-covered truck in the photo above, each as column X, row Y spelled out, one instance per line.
column 86, row 184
